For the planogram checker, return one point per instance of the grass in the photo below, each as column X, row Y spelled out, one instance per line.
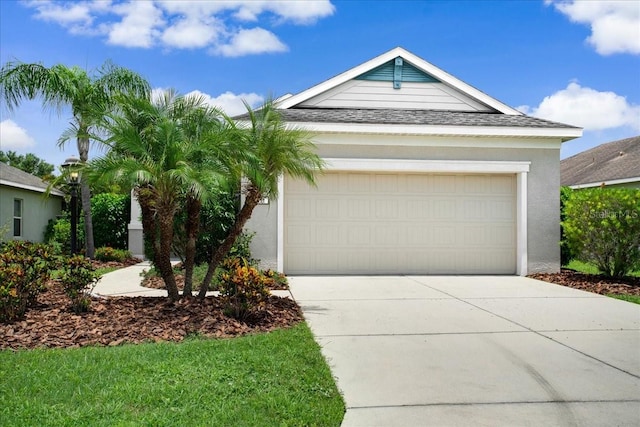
column 589, row 268
column 630, row 298
column 104, row 270
column 275, row 379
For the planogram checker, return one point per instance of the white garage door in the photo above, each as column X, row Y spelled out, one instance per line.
column 390, row 223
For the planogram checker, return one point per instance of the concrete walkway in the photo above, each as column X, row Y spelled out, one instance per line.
column 475, row 351
column 126, row 282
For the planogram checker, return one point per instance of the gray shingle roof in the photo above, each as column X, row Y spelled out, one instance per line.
column 413, row 117
column 606, row 162
column 21, row 179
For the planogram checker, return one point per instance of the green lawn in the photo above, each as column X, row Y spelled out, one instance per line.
column 585, row 267
column 631, row 298
column 275, row 379
column 589, row 268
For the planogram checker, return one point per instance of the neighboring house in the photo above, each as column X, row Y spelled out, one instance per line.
column 425, row 175
column 614, row 164
column 24, row 209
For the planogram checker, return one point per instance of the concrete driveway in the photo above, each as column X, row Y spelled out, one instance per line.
column 475, row 351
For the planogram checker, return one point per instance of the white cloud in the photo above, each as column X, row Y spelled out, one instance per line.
column 14, row 137
column 298, row 12
column 587, row 108
column 615, row 25
column 253, row 41
column 217, row 26
column 139, row 26
column 191, row 33
column 229, row 102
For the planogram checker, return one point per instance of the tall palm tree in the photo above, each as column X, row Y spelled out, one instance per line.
column 153, row 154
column 271, row 150
column 88, row 96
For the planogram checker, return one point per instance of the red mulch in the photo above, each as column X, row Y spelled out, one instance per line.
column 598, row 284
column 116, row 320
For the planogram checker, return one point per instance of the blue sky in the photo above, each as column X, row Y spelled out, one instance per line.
column 576, row 62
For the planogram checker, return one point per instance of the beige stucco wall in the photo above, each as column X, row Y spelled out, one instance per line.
column 542, row 185
column 37, row 211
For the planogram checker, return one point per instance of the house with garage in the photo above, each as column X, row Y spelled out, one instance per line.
column 614, row 164
column 425, row 175
column 24, row 208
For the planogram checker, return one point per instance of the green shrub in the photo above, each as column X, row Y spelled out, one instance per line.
column 216, row 218
column 107, row 254
column 243, row 290
column 602, row 226
column 58, row 233
column 25, row 268
column 111, row 215
column 78, row 278
column 565, row 251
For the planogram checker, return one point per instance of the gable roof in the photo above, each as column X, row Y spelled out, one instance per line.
column 416, row 63
column 614, row 161
column 432, row 102
column 14, row 177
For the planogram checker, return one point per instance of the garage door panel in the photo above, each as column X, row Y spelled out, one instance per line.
column 362, row 223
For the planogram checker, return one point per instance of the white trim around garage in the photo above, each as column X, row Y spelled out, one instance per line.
column 519, row 168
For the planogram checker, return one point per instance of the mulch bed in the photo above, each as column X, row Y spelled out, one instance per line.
column 115, row 320
column 595, row 283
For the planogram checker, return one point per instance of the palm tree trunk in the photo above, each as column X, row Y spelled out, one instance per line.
column 145, row 198
column 252, row 199
column 192, row 226
column 163, row 251
column 85, row 195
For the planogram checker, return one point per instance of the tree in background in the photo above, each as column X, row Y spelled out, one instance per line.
column 89, row 96
column 29, row 163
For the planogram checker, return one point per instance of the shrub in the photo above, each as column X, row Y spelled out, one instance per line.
column 565, row 252
column 243, row 290
column 110, row 254
column 275, row 280
column 602, row 226
column 216, row 217
column 25, row 268
column 78, row 278
column 111, row 215
column 58, row 233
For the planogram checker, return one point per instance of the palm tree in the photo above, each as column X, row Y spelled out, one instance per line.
column 88, row 96
column 272, row 150
column 155, row 152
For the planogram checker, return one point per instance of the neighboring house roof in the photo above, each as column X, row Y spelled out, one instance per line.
column 14, row 177
column 615, row 162
column 400, row 93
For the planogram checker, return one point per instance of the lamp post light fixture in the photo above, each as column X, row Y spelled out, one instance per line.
column 72, row 175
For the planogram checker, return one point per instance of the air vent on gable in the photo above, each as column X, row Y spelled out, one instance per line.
column 397, row 70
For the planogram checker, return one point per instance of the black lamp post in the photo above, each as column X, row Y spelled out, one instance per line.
column 70, row 167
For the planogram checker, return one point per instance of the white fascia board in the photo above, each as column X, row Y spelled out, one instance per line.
column 610, row 182
column 458, row 84
column 416, row 61
column 426, row 166
column 397, row 129
column 53, row 192
column 338, row 80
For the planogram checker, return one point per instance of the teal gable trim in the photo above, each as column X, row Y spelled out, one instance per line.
column 397, row 73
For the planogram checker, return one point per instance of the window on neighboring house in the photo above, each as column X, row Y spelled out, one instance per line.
column 17, row 217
